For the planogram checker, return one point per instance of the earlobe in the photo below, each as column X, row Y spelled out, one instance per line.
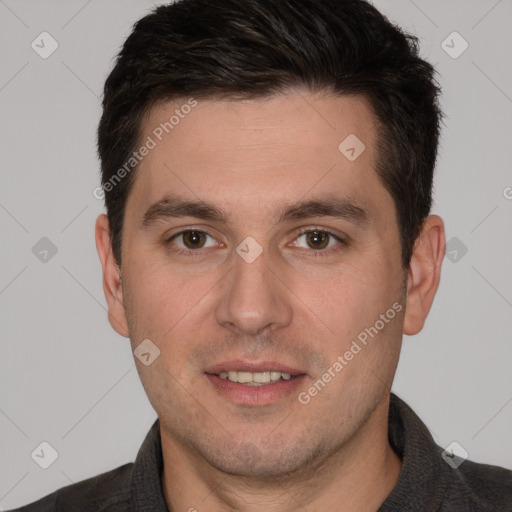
column 424, row 273
column 112, row 286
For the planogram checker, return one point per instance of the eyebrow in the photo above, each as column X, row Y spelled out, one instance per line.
column 174, row 207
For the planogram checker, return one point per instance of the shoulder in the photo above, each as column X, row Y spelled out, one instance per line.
column 434, row 479
column 481, row 487
column 107, row 491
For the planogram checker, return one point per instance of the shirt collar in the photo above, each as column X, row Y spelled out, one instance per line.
column 147, row 494
column 425, row 476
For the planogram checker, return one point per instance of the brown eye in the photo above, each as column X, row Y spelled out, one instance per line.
column 322, row 242
column 190, row 241
column 317, row 239
column 193, row 239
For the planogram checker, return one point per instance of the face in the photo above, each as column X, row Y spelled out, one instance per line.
column 293, row 274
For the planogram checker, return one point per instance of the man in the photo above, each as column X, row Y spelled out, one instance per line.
column 267, row 168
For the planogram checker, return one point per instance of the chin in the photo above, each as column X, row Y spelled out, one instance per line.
column 250, row 461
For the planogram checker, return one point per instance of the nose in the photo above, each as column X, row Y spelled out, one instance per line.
column 254, row 297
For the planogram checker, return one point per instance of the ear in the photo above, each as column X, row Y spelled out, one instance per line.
column 112, row 286
column 424, row 273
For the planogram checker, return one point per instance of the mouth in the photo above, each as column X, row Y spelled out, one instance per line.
column 254, row 384
column 256, row 378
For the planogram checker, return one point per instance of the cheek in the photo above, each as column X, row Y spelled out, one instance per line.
column 152, row 297
column 336, row 303
column 165, row 306
column 343, row 302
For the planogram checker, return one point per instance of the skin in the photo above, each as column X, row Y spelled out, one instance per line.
column 251, row 158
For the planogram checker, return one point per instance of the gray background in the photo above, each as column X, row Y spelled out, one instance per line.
column 67, row 378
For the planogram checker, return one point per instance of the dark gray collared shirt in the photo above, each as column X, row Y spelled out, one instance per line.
column 427, row 482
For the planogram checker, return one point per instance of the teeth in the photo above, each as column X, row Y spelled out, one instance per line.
column 244, row 377
column 256, row 378
column 275, row 375
column 262, row 377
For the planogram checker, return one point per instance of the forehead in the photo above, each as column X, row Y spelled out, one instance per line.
column 259, row 150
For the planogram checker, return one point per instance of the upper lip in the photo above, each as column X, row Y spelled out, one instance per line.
column 240, row 365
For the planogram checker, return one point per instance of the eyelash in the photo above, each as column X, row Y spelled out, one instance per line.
column 316, row 252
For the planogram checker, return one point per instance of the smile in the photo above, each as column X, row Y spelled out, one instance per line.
column 255, row 378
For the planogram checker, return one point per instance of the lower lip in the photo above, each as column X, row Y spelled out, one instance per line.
column 254, row 395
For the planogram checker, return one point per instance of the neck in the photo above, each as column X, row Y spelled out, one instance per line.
column 357, row 477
